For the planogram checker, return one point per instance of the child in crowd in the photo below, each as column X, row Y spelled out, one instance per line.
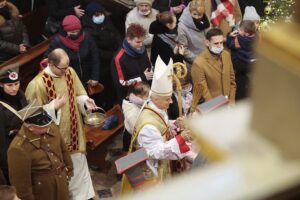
column 241, row 43
column 8, row 192
column 186, row 97
column 131, row 106
column 251, row 15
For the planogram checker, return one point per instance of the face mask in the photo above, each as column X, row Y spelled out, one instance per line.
column 146, row 13
column 74, row 36
column 216, row 50
column 98, row 19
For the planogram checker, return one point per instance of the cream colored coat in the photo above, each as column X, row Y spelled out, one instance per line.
column 216, row 76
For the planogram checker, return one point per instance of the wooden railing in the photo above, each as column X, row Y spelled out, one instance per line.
column 29, row 62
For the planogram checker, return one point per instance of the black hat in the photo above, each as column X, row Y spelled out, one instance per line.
column 94, row 7
column 35, row 114
column 9, row 74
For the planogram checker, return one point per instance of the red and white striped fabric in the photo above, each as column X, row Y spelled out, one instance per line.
column 224, row 10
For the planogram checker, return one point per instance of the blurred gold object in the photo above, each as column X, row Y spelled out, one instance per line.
column 180, row 72
column 197, row 93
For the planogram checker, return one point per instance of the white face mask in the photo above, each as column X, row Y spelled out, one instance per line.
column 98, row 19
column 216, row 50
column 146, row 13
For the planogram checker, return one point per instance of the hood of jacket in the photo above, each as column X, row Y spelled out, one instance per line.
column 13, row 10
column 187, row 20
column 156, row 27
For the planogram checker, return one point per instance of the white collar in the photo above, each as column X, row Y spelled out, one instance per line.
column 158, row 110
column 48, row 71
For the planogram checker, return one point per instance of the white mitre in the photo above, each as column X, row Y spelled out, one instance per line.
column 162, row 83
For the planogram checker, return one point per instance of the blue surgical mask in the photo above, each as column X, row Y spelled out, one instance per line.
column 98, row 19
column 216, row 50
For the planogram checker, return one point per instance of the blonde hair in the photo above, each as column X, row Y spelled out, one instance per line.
column 198, row 6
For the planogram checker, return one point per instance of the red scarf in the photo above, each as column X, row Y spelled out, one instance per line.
column 72, row 44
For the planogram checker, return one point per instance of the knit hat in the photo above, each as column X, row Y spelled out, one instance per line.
column 71, row 23
column 94, row 7
column 137, row 2
column 251, row 14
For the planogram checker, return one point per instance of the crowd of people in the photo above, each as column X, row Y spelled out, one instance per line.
column 42, row 139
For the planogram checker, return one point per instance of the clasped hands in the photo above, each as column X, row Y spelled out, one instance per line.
column 185, row 132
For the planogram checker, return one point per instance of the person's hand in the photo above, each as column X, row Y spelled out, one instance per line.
column 181, row 49
column 22, row 48
column 186, row 135
column 93, row 82
column 60, row 101
column 176, row 48
column 90, row 104
column 180, row 123
column 234, row 33
column 148, row 74
column 78, row 11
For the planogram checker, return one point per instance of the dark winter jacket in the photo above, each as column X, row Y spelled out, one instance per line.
column 58, row 9
column 12, row 34
column 165, row 5
column 85, row 62
column 159, row 46
column 127, row 69
column 9, row 125
column 107, row 38
column 241, row 48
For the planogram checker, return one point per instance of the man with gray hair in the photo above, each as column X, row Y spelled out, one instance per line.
column 153, row 129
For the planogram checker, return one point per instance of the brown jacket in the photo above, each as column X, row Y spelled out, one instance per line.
column 216, row 76
column 36, row 165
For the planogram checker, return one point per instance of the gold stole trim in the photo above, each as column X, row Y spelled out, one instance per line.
column 51, row 95
column 164, row 165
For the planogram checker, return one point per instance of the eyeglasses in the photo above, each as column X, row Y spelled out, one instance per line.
column 62, row 69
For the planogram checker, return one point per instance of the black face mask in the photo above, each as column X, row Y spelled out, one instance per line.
column 74, row 36
column 201, row 23
column 5, row 13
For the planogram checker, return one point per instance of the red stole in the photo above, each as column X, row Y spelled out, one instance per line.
column 51, row 94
